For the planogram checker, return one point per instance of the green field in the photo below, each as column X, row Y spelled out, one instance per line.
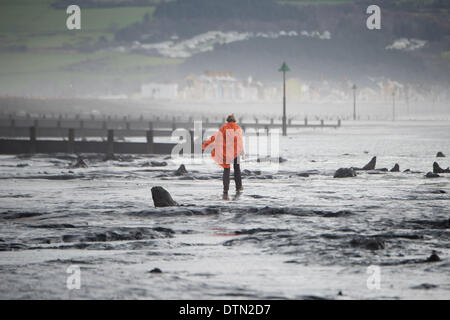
column 36, row 46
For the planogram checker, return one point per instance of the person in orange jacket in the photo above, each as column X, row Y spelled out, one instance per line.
column 228, row 146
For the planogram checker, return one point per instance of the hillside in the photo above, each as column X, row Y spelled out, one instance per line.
column 124, row 43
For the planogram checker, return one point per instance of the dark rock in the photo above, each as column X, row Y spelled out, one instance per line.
column 337, row 214
column 368, row 243
column 79, row 164
column 162, row 198
column 432, row 175
column 181, row 171
column 158, row 164
column 12, row 246
column 438, row 169
column 425, row 286
column 258, row 230
column 439, row 191
column 246, row 172
column 155, row 270
column 344, row 173
column 303, row 174
column 22, row 165
column 52, row 226
column 433, row 258
column 440, row 155
column 432, row 224
column 396, row 168
column 371, row 165
column 407, row 170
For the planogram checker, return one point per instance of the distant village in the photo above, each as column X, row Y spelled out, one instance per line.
column 225, row 87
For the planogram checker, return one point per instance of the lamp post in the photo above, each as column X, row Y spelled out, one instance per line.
column 354, row 101
column 284, row 68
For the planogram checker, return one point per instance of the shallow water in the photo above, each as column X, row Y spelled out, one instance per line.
column 285, row 236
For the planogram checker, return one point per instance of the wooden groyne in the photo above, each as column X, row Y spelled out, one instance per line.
column 36, row 135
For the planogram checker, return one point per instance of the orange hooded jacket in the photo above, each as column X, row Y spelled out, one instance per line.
column 227, row 143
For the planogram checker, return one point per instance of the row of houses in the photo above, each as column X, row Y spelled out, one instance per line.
column 223, row 86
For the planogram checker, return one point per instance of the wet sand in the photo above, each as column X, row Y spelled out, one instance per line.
column 294, row 233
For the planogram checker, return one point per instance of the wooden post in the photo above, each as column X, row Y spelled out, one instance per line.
column 174, row 124
column 284, row 68
column 71, row 143
column 339, row 122
column 33, row 148
column 267, row 130
column 150, row 140
column 191, row 133
column 110, row 147
column 271, row 121
column 306, row 121
column 321, row 123
column 127, row 125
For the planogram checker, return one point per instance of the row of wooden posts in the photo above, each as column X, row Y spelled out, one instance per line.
column 110, row 141
column 174, row 126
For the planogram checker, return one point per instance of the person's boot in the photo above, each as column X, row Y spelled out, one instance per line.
column 225, row 195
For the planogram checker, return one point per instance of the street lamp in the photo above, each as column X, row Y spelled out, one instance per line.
column 354, row 101
column 284, row 68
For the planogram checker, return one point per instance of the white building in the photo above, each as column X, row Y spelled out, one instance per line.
column 159, row 91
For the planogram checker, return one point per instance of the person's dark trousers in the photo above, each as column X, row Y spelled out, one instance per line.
column 237, row 176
